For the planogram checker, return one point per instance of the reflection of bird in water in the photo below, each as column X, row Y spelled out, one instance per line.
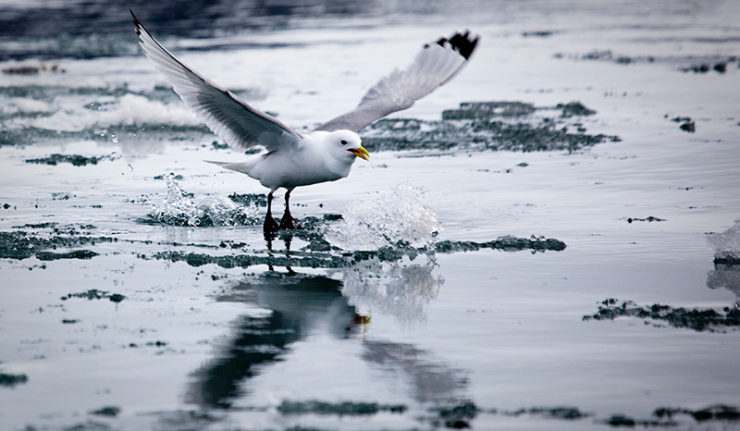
column 294, row 159
column 726, row 272
column 725, row 275
column 300, row 305
column 430, row 381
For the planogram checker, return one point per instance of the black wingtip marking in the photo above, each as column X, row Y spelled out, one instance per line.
column 137, row 23
column 462, row 43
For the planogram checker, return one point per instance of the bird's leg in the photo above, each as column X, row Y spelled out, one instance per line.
column 270, row 226
column 288, row 238
column 287, row 222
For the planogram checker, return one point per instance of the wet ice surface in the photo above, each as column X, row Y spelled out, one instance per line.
column 138, row 291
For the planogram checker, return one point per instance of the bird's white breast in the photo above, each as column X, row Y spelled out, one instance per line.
column 309, row 162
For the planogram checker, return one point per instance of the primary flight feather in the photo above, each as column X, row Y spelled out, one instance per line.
column 325, row 154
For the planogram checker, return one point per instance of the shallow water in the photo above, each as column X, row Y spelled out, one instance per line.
column 429, row 288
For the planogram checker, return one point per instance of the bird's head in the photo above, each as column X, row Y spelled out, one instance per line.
column 348, row 144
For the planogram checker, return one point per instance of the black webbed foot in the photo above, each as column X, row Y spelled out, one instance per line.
column 270, row 227
column 288, row 222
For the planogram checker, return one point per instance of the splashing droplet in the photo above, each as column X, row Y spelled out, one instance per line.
column 184, row 209
column 390, row 219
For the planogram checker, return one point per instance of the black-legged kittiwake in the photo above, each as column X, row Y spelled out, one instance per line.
column 296, row 159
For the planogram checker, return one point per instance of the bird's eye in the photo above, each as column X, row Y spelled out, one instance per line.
column 344, row 142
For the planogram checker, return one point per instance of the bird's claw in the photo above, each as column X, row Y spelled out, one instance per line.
column 270, row 227
column 288, row 222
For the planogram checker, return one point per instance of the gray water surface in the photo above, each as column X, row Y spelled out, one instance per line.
column 443, row 285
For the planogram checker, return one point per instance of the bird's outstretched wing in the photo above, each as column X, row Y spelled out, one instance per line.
column 240, row 125
column 437, row 63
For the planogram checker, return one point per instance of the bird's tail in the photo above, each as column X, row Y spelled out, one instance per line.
column 216, row 163
column 243, row 167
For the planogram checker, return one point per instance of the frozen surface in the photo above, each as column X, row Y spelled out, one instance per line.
column 138, row 291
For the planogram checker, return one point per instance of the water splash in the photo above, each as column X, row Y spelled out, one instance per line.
column 390, row 219
column 184, row 209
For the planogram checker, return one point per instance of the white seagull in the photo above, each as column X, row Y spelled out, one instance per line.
column 296, row 159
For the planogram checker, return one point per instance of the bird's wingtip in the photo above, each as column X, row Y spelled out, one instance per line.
column 464, row 43
column 139, row 26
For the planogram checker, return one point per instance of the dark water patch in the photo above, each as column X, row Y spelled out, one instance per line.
column 621, row 421
column 574, row 109
column 247, row 260
column 565, row 413
column 21, row 70
column 719, row 67
column 482, row 126
column 606, row 55
column 10, row 380
column 49, row 93
column 624, row 421
column 65, row 46
column 478, row 110
column 46, row 225
column 686, row 63
column 249, row 199
column 131, row 133
column 686, row 123
column 345, row 408
column 457, row 416
column 648, row 219
column 232, row 244
column 74, row 159
column 319, row 253
column 33, row 70
column 539, row 33
column 95, row 294
column 665, row 416
column 75, row 254
column 505, row 243
column 20, row 245
column 69, row 321
column 62, row 196
column 694, row 318
column 157, row 343
column 109, row 411
column 717, row 412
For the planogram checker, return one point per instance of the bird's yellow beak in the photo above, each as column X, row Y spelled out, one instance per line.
column 360, row 152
